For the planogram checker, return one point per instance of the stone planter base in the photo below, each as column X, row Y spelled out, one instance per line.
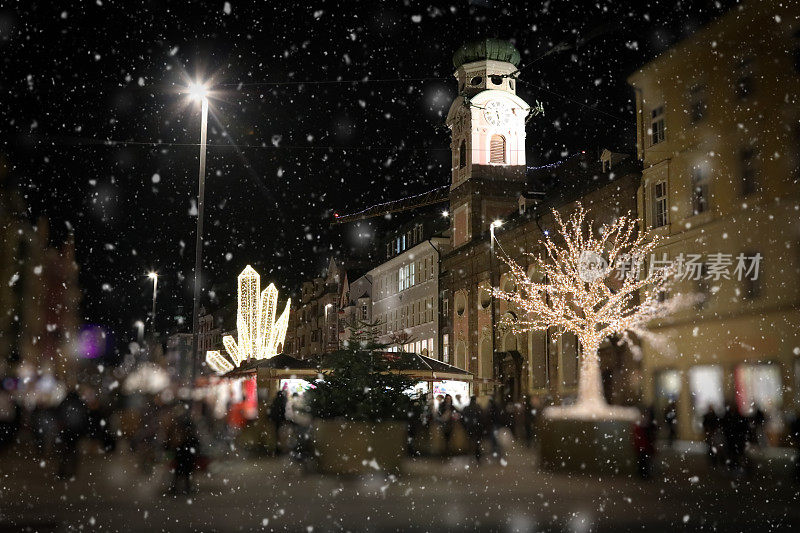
column 343, row 447
column 602, row 446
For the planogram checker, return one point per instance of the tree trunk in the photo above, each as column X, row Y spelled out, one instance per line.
column 590, row 382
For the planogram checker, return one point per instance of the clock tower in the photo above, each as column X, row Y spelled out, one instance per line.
column 487, row 123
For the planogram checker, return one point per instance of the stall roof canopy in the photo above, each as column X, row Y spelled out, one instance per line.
column 419, row 365
column 279, row 362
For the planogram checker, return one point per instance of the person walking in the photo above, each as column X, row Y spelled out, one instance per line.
column 10, row 417
column 73, row 423
column 711, row 425
column 644, row 445
column 671, row 421
column 186, row 447
column 447, row 415
column 472, row 417
column 277, row 413
column 529, row 417
column 794, row 434
column 494, row 421
column 734, row 429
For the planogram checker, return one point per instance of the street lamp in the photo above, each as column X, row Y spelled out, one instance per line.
column 154, row 277
column 199, row 92
column 327, row 334
column 495, row 224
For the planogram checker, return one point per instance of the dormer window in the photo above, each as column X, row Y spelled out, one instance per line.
column 497, row 149
column 477, row 80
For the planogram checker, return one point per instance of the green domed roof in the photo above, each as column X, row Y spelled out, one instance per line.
column 496, row 49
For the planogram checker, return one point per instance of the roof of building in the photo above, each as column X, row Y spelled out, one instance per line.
column 494, row 49
column 570, row 179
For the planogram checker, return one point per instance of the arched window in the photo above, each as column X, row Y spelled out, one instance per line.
column 497, row 149
column 462, row 154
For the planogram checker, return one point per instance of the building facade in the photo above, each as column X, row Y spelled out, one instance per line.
column 492, row 183
column 314, row 322
column 405, row 288
column 39, row 298
column 356, row 306
column 718, row 132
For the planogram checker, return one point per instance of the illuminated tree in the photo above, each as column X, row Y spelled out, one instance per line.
column 260, row 334
column 595, row 283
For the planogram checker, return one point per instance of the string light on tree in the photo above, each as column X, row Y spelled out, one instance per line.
column 259, row 333
column 578, row 289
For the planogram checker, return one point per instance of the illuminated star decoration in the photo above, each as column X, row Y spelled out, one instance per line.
column 577, row 290
column 260, row 334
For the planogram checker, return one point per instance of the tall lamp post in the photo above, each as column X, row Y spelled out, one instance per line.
column 492, row 226
column 199, row 93
column 154, row 277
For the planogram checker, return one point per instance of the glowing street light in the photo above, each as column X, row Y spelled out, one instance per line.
column 495, row 224
column 154, row 277
column 199, row 92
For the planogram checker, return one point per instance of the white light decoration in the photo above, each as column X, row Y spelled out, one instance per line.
column 577, row 291
column 258, row 331
column 217, row 362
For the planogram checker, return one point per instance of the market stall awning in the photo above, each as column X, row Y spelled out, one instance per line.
column 430, row 369
column 281, row 363
column 416, row 366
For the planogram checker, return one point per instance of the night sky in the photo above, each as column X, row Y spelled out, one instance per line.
column 288, row 143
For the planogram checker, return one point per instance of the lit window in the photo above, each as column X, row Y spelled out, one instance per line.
column 657, row 125
column 446, row 348
column 660, row 204
column 497, row 149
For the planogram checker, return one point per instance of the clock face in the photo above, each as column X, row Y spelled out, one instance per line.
column 497, row 113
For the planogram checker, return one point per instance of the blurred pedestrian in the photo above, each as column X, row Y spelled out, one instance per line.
column 472, row 417
column 734, row 429
column 447, row 416
column 277, row 413
column 494, row 421
column 99, row 428
column 711, row 425
column 145, row 438
column 73, row 423
column 10, row 417
column 186, row 447
column 644, row 444
column 794, row 434
column 757, row 421
column 299, row 423
column 530, row 416
column 671, row 421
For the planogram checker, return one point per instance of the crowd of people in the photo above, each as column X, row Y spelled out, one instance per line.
column 161, row 432
column 727, row 437
column 81, row 424
column 451, row 419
